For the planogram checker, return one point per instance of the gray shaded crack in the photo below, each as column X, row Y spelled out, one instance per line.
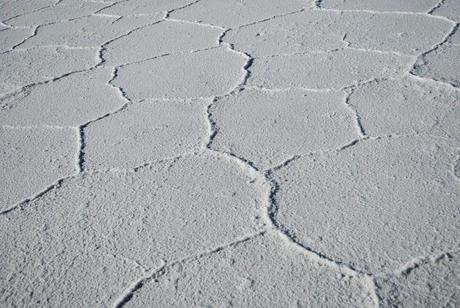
column 437, row 6
column 272, row 212
column 179, row 8
column 103, row 47
column 420, row 62
column 267, row 175
column 272, row 209
column 358, row 121
column 22, row 204
column 81, row 128
column 163, row 270
column 420, row 261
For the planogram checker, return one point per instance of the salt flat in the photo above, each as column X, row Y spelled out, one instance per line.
column 230, row 153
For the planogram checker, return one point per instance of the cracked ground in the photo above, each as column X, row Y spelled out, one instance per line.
column 230, row 153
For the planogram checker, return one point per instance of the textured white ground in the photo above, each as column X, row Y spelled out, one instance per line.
column 230, row 153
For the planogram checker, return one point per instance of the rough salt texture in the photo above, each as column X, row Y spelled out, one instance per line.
column 402, row 187
column 406, row 106
column 55, row 13
column 316, row 30
column 449, row 9
column 217, row 153
column 332, row 70
column 244, row 270
column 69, row 101
column 426, row 283
column 204, row 75
column 160, row 39
column 113, row 224
column 32, row 160
column 89, row 31
column 13, row 8
column 9, row 38
column 441, row 64
column 421, row 6
column 26, row 67
column 143, row 7
column 282, row 124
column 145, row 132
column 233, row 13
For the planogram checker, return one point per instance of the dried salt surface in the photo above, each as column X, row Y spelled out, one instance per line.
column 454, row 39
column 229, row 153
column 13, row 8
column 143, row 7
column 203, row 77
column 426, row 283
column 449, row 9
column 69, row 101
column 56, row 13
column 9, row 38
column 21, row 68
column 406, row 106
column 282, row 124
column 145, row 132
column 331, row 70
column 441, row 64
column 160, row 39
column 317, row 30
column 113, row 224
column 421, row 6
column 401, row 187
column 89, row 31
column 32, row 160
column 403, row 33
column 232, row 13
column 243, row 270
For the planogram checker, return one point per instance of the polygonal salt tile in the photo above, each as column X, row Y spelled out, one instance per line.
column 406, row 106
column 432, row 282
column 441, row 64
column 254, row 273
column 55, row 13
column 203, row 74
column 332, row 70
column 13, row 8
column 69, row 101
column 404, row 33
column 49, row 263
column 233, row 13
column 90, row 31
column 421, row 6
column 269, row 128
column 449, row 9
column 296, row 33
column 11, row 37
column 20, row 68
column 103, row 224
column 32, row 160
column 374, row 205
column 317, row 30
column 144, row 7
column 159, row 39
column 145, row 132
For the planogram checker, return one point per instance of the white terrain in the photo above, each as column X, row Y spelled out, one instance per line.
column 230, row 153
